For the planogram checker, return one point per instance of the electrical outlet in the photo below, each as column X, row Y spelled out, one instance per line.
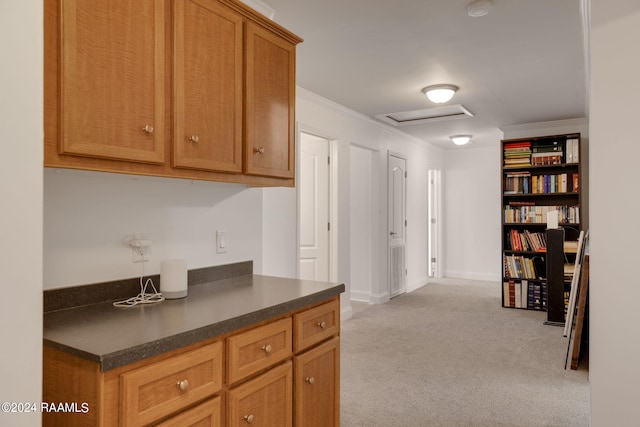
column 221, row 242
column 140, row 246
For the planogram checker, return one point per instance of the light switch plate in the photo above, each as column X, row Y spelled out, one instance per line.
column 221, row 242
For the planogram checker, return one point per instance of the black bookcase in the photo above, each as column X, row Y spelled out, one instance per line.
column 539, row 174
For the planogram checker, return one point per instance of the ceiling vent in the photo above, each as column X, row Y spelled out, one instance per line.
column 436, row 114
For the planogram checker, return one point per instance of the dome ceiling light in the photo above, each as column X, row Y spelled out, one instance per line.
column 440, row 94
column 479, row 8
column 460, row 139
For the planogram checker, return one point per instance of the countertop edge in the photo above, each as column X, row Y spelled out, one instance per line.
column 153, row 348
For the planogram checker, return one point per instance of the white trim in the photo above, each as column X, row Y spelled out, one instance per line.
column 551, row 124
column 585, row 14
column 346, row 313
column 417, row 284
column 379, row 298
column 261, row 7
column 473, row 276
column 360, row 296
column 311, row 96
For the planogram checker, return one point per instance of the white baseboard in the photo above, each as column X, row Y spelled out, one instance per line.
column 360, row 296
column 417, row 284
column 379, row 298
column 472, row 276
column 346, row 313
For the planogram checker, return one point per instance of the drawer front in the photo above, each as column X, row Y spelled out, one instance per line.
column 206, row 414
column 266, row 400
column 316, row 324
column 258, row 348
column 155, row 391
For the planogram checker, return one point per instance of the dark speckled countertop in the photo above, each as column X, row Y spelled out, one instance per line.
column 115, row 337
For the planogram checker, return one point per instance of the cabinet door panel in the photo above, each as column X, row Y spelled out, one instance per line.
column 264, row 401
column 208, row 63
column 270, row 104
column 317, row 386
column 112, row 79
column 207, row 414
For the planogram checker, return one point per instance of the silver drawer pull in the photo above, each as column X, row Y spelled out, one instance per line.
column 194, row 138
column 248, row 418
column 310, row 380
column 322, row 325
column 267, row 348
column 183, row 385
column 259, row 150
column 148, row 129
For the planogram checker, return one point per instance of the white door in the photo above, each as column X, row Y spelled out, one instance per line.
column 314, row 207
column 397, row 174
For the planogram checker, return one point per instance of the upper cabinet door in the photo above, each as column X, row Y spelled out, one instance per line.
column 112, row 79
column 207, row 86
column 270, row 104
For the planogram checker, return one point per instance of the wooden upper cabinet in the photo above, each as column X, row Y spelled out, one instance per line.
column 112, row 77
column 269, row 104
column 207, row 86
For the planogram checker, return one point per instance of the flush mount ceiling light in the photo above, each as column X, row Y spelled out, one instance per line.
column 440, row 93
column 479, row 8
column 460, row 139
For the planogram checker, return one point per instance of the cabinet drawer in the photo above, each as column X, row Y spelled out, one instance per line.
column 316, row 324
column 155, row 391
column 258, row 348
column 266, row 400
column 205, row 414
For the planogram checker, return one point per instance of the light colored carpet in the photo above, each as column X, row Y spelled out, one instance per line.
column 449, row 355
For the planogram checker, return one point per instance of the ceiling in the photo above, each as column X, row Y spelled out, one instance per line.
column 524, row 62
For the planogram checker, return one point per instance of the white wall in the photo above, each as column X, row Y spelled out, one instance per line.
column 325, row 118
column 21, row 136
column 614, row 205
column 87, row 215
column 362, row 163
column 472, row 213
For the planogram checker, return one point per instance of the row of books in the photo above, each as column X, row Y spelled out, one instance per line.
column 572, row 148
column 531, row 214
column 525, row 183
column 517, row 154
column 524, row 267
column 543, row 159
column 527, row 241
column 525, row 294
column 541, row 152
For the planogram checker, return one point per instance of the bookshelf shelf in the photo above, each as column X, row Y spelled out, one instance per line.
column 539, row 174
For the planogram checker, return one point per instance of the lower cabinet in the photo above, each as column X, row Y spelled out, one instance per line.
column 206, row 414
column 317, row 386
column 251, row 376
column 263, row 401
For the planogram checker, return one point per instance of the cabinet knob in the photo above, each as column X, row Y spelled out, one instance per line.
column 183, row 385
column 259, row 150
column 322, row 325
column 310, row 380
column 267, row 348
column 148, row 129
column 194, row 138
column 248, row 418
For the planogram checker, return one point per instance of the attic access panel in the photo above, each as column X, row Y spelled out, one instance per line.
column 435, row 114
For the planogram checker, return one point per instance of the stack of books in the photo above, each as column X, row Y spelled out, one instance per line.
column 517, row 154
column 517, row 183
column 547, row 152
